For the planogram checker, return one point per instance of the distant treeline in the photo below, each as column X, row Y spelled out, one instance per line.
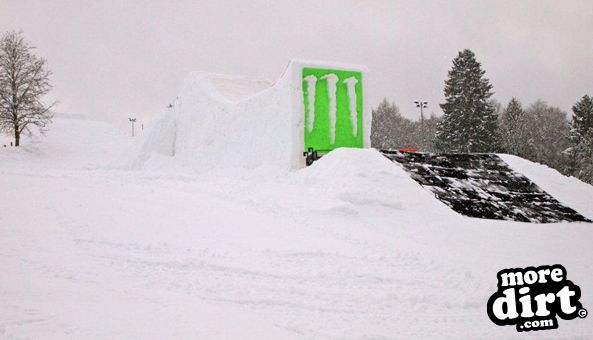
column 474, row 122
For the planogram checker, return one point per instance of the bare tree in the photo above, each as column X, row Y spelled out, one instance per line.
column 24, row 79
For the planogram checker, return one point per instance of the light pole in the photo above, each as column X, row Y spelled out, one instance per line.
column 422, row 105
column 132, row 120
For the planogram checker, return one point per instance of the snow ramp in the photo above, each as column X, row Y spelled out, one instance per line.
column 233, row 122
column 483, row 186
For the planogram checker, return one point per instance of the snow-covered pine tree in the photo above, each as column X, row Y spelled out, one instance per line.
column 469, row 123
column 513, row 113
column 583, row 158
column 581, row 138
column 582, row 118
column 386, row 120
column 515, row 130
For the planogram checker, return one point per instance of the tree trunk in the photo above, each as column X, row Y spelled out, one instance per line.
column 17, row 137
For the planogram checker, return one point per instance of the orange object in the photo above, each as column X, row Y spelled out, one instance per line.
column 411, row 150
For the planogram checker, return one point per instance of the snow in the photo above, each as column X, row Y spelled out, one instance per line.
column 222, row 122
column 237, row 88
column 349, row 248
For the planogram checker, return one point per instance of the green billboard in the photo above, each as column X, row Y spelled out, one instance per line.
column 333, row 109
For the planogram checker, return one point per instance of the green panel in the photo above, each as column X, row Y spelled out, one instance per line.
column 319, row 138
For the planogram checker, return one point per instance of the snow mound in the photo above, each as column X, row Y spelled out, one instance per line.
column 364, row 177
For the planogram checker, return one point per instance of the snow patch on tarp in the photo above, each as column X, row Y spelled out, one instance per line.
column 568, row 190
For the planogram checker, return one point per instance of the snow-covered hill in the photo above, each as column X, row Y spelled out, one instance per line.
column 349, row 248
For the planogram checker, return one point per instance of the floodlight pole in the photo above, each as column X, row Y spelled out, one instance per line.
column 422, row 105
column 132, row 120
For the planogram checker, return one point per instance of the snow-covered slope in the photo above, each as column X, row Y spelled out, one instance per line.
column 568, row 190
column 73, row 142
column 349, row 248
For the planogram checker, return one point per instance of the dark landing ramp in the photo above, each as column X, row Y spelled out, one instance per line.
column 484, row 186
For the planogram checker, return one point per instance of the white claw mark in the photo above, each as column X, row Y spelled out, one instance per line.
column 311, row 82
column 351, row 84
column 332, row 80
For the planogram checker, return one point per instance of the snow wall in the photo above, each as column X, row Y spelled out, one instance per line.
column 227, row 121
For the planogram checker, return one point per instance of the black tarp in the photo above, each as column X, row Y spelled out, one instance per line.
column 483, row 186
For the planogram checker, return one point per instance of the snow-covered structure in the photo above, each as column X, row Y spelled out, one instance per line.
column 228, row 121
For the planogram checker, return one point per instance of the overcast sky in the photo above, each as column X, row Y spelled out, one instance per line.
column 114, row 59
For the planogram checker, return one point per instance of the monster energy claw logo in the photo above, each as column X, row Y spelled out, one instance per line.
column 351, row 84
column 333, row 106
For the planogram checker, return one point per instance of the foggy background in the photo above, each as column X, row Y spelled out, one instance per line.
column 116, row 59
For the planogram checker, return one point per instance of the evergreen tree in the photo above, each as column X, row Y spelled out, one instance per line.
column 582, row 118
column 581, row 138
column 426, row 137
column 386, row 121
column 582, row 158
column 513, row 113
column 515, row 130
column 380, row 124
column 470, row 123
